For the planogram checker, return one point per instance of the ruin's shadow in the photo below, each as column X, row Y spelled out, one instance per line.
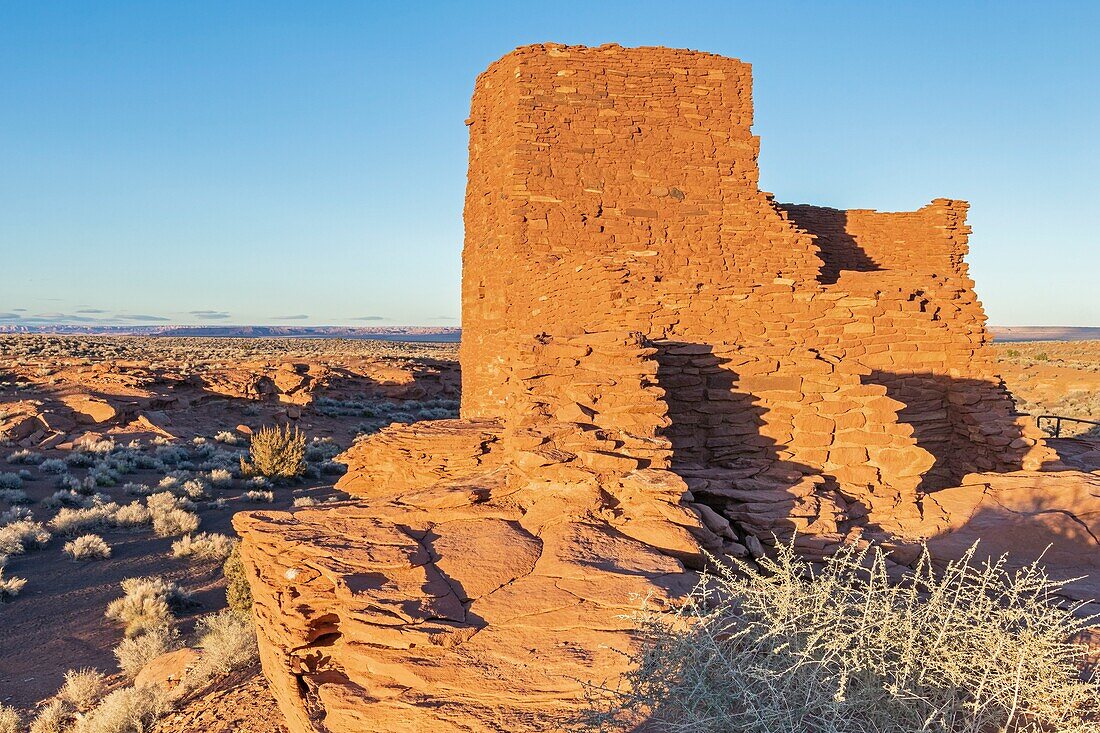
column 968, row 425
column 837, row 248
column 729, row 453
column 719, row 443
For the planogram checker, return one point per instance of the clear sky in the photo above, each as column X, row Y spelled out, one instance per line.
column 304, row 163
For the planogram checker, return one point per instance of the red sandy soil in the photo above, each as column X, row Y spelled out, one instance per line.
column 57, row 392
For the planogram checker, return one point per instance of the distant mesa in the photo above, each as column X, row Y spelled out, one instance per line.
column 1045, row 333
column 443, row 334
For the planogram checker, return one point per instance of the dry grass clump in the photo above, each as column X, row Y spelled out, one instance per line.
column 127, row 710
column 227, row 437
column 82, row 688
column 228, row 643
column 54, row 717
column 88, row 547
column 258, row 496
column 134, row 514
column 26, row 457
column 9, row 587
column 146, row 604
column 221, row 477
column 276, row 453
column 843, row 649
column 171, row 516
column 134, row 653
column 10, row 722
column 203, row 546
column 72, row 522
column 21, row 535
column 54, row 466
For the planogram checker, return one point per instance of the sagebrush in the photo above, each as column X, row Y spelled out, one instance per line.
column 146, row 604
column 136, row 652
column 841, row 648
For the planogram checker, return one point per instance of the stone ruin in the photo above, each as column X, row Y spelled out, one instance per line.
column 658, row 362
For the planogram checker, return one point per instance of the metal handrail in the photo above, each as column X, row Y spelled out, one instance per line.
column 1058, row 422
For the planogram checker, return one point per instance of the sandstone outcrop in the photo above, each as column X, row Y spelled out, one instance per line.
column 658, row 362
column 1024, row 515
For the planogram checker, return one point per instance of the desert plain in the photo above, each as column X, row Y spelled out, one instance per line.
column 138, row 415
column 122, row 418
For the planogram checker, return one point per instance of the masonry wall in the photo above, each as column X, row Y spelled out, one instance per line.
column 616, row 190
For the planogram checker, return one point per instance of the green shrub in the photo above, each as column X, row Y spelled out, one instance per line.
column 276, row 453
column 842, row 648
column 237, row 593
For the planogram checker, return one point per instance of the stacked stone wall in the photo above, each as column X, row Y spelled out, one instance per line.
column 616, row 190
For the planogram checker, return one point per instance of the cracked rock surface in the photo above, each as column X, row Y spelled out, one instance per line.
column 486, row 615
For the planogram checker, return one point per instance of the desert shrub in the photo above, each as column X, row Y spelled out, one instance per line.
column 238, row 595
column 165, row 500
column 134, row 514
column 304, row 501
column 203, row 546
column 101, row 476
column 72, row 522
column 227, row 437
column 54, row 466
column 126, row 710
column 10, row 720
column 146, row 603
column 101, row 447
column 14, row 496
column 174, row 522
column 332, row 468
column 80, row 459
column 134, row 653
column 171, row 482
column 15, row 514
column 259, row 496
column 171, row 516
column 10, row 587
column 228, row 642
column 322, row 449
column 54, row 717
column 843, row 649
column 10, row 482
column 88, row 547
column 26, row 457
column 148, row 462
column 195, row 489
column 1042, row 356
column 171, row 455
column 82, row 688
column 67, row 498
column 221, row 477
column 67, row 481
column 276, row 453
column 19, row 536
column 135, row 489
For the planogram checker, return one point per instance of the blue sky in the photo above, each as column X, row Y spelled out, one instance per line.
column 235, row 162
